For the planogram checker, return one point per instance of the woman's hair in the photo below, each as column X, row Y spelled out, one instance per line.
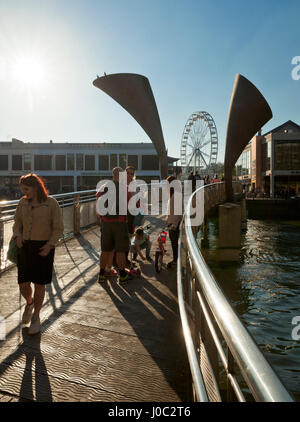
column 33, row 181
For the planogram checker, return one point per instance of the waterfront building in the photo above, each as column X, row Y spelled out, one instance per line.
column 270, row 163
column 68, row 167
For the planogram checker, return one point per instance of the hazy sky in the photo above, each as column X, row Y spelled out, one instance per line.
column 190, row 50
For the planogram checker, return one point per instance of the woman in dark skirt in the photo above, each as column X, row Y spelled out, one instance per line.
column 37, row 228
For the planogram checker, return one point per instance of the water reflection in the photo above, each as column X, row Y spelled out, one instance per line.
column 263, row 287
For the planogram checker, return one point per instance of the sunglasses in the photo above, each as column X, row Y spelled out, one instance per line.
column 130, row 174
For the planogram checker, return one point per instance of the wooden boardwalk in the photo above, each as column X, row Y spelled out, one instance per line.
column 103, row 342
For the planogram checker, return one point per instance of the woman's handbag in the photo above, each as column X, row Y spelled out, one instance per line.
column 13, row 250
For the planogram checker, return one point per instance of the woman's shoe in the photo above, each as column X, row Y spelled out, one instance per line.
column 35, row 326
column 27, row 314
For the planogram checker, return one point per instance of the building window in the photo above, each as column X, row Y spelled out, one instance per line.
column 70, row 161
column 67, row 184
column 43, row 162
column 89, row 162
column 150, row 162
column 103, row 162
column 268, row 156
column 79, row 161
column 122, row 161
column 60, row 162
column 87, row 182
column 132, row 160
column 243, row 165
column 287, row 155
column 113, row 161
column 27, row 161
column 3, row 162
column 16, row 163
column 253, row 168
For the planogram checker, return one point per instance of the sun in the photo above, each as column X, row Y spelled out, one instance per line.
column 29, row 71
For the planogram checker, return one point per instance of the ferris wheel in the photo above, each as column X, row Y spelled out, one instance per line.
column 199, row 143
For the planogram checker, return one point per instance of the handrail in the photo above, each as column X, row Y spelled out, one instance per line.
column 199, row 385
column 68, row 197
column 56, row 196
column 65, row 201
column 261, row 379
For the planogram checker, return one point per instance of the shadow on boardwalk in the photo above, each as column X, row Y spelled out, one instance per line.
column 99, row 342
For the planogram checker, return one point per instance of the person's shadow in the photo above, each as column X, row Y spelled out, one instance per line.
column 32, row 350
column 35, row 376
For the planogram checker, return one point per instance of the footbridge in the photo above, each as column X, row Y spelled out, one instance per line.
column 163, row 337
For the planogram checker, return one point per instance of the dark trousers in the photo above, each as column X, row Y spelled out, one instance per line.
column 174, row 235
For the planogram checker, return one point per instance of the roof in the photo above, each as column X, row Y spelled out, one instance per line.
column 16, row 144
column 288, row 124
column 172, row 159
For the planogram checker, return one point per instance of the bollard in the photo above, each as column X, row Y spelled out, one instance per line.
column 243, row 214
column 76, row 214
column 229, row 231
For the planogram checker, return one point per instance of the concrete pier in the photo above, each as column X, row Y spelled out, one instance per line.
column 229, row 231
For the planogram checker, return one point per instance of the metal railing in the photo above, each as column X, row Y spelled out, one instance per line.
column 78, row 212
column 226, row 363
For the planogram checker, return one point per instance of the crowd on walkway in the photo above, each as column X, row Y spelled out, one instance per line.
column 123, row 237
column 38, row 226
column 206, row 179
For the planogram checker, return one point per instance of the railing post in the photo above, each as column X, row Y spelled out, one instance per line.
column 76, row 214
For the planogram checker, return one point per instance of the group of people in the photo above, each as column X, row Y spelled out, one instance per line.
column 285, row 192
column 207, row 180
column 38, row 226
column 118, row 231
column 122, row 235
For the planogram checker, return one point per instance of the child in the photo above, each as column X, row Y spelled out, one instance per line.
column 140, row 240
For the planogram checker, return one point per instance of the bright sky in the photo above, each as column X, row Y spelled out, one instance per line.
column 190, row 50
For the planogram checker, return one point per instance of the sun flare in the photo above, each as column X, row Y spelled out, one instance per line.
column 29, row 71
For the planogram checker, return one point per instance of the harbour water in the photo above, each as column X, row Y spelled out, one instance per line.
column 264, row 289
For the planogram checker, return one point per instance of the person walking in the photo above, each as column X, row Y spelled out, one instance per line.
column 172, row 224
column 130, row 171
column 38, row 226
column 130, row 174
column 192, row 178
column 207, row 180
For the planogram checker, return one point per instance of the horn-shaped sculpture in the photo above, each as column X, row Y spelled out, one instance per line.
column 248, row 112
column 133, row 92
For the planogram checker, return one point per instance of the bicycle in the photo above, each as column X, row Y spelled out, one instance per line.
column 160, row 251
